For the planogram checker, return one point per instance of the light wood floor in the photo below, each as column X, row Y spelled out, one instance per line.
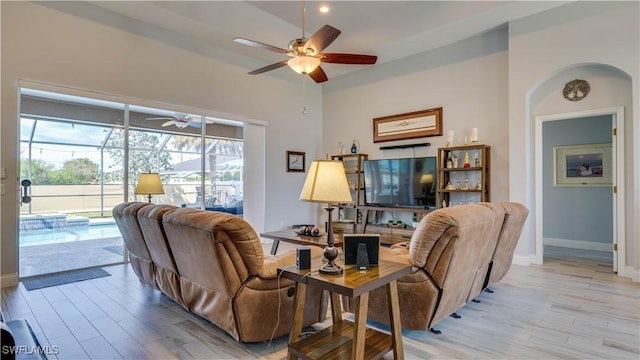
column 569, row 308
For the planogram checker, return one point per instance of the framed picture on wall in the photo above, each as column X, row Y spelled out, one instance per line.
column 295, row 161
column 582, row 165
column 411, row 125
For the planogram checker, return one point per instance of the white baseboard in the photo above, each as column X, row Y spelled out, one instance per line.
column 524, row 260
column 10, row 280
column 578, row 244
column 632, row 273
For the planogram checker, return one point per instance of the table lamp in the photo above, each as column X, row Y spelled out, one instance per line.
column 426, row 179
column 326, row 182
column 149, row 184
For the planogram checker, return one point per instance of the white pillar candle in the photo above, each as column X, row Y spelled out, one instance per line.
column 474, row 134
column 450, row 138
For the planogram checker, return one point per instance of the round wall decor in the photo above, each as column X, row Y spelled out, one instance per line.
column 576, row 90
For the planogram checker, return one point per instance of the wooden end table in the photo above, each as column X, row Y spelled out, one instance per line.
column 343, row 339
column 290, row 236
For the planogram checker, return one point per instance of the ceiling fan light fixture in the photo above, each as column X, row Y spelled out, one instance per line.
column 303, row 64
column 180, row 124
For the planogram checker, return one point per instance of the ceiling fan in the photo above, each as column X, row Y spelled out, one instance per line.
column 306, row 54
column 181, row 121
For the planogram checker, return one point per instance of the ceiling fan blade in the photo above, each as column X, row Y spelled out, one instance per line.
column 168, row 123
column 318, row 75
column 322, row 38
column 269, row 67
column 199, row 120
column 260, row 45
column 197, row 123
column 348, row 59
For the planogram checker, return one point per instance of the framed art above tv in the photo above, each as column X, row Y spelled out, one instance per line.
column 411, row 125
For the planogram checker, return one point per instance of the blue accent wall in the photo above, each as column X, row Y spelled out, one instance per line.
column 576, row 213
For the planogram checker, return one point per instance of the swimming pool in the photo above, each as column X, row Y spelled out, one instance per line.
column 53, row 236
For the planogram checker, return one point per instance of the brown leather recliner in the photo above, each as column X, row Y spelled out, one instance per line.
column 226, row 278
column 444, row 254
column 485, row 254
column 515, row 215
column 125, row 215
column 166, row 276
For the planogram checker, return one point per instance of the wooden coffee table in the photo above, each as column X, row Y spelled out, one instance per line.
column 290, row 236
column 345, row 339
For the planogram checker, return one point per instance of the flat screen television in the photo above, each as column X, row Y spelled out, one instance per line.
column 407, row 182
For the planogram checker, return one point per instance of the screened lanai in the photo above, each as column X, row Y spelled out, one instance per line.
column 83, row 156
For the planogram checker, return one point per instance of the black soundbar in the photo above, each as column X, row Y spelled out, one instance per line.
column 407, row 146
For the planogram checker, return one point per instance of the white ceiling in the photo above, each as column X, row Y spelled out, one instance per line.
column 389, row 29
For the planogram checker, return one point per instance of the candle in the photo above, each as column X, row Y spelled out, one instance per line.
column 474, row 134
column 450, row 133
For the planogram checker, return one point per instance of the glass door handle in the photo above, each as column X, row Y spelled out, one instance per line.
column 25, row 183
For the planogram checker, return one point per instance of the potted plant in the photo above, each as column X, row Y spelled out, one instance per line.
column 391, row 223
column 415, row 221
column 399, row 223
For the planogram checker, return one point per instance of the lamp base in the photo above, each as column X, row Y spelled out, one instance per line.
column 330, row 253
column 330, row 269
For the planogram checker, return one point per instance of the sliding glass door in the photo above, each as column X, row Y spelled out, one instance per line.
column 83, row 156
column 65, row 221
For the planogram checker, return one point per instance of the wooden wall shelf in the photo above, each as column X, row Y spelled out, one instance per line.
column 477, row 174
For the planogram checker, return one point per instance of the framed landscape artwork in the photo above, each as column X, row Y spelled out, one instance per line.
column 411, row 125
column 582, row 165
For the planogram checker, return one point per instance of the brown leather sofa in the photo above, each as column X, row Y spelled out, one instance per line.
column 213, row 264
column 452, row 252
column 515, row 215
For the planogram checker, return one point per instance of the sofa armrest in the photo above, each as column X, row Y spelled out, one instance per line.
column 286, row 258
column 396, row 254
column 405, row 245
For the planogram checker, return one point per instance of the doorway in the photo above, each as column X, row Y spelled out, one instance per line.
column 612, row 200
column 65, row 212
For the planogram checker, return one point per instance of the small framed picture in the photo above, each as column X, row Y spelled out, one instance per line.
column 583, row 165
column 295, row 161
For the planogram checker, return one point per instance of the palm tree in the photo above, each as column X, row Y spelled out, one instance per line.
column 214, row 147
column 217, row 147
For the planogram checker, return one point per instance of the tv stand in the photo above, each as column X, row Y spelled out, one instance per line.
column 389, row 235
column 421, row 210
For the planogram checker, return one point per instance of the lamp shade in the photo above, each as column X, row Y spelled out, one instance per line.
column 303, row 64
column 326, row 183
column 149, row 184
column 426, row 179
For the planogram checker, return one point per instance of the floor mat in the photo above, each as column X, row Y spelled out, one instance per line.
column 64, row 278
column 116, row 249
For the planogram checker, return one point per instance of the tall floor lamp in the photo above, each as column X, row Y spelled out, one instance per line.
column 149, row 184
column 327, row 183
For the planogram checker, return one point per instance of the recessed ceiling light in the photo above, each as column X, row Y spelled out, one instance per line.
column 324, row 9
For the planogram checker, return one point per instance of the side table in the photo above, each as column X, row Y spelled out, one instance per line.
column 290, row 236
column 343, row 339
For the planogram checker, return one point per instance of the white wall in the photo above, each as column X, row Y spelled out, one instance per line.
column 541, row 47
column 112, row 56
column 467, row 79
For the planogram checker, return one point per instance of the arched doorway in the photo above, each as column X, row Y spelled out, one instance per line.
column 547, row 105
